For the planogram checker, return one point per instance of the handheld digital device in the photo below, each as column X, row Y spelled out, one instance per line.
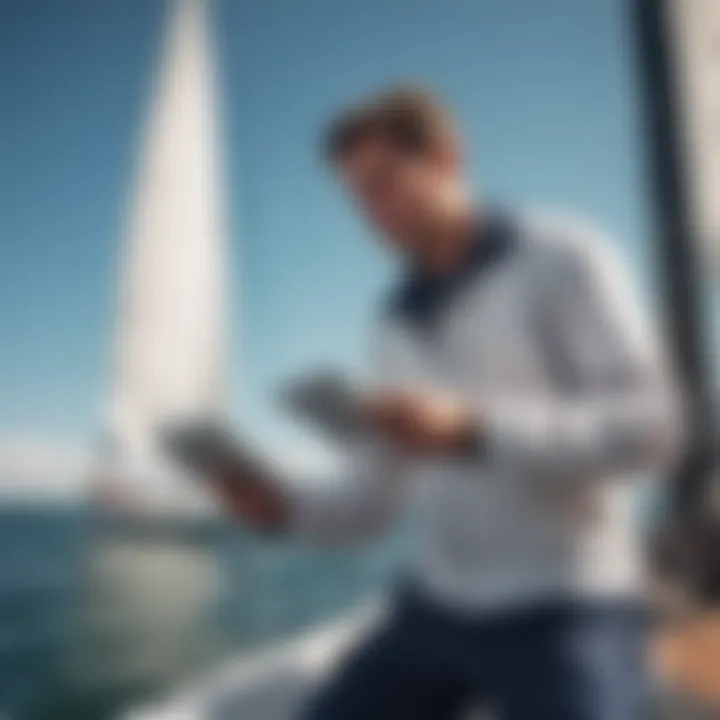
column 329, row 402
column 203, row 446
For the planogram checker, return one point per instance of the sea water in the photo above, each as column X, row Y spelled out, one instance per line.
column 271, row 589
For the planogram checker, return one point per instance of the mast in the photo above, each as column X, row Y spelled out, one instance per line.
column 674, row 182
column 677, row 43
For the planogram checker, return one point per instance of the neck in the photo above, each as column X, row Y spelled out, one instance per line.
column 447, row 241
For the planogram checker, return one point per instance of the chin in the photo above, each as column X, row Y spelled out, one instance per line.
column 408, row 246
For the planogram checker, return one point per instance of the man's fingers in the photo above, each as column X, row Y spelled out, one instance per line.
column 382, row 405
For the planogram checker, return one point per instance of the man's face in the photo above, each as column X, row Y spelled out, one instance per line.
column 399, row 193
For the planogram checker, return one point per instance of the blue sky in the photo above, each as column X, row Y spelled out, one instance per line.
column 543, row 91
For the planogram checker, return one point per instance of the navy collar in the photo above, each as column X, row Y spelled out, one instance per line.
column 422, row 297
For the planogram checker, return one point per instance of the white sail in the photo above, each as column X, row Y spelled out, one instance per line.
column 169, row 348
column 153, row 584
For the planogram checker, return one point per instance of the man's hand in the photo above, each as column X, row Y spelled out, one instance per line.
column 424, row 422
column 252, row 496
column 242, row 482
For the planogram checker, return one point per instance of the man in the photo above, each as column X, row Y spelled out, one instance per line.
column 519, row 395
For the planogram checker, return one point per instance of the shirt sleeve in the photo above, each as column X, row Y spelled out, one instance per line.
column 621, row 410
column 357, row 503
column 365, row 494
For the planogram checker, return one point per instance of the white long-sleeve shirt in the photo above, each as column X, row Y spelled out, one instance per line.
column 548, row 343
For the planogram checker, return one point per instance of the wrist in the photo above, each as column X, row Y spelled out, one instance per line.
column 469, row 439
column 253, row 497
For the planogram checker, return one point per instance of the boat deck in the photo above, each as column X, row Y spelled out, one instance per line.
column 274, row 684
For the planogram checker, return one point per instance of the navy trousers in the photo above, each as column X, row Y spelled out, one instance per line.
column 562, row 661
